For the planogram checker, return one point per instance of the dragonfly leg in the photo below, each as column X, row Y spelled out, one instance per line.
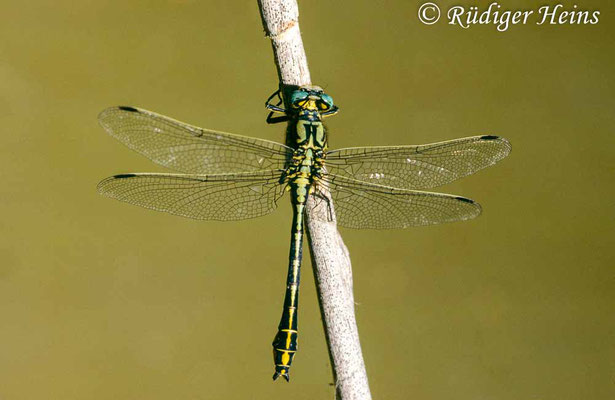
column 319, row 197
column 276, row 108
column 275, row 120
column 274, row 94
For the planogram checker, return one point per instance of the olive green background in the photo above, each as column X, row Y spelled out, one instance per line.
column 103, row 300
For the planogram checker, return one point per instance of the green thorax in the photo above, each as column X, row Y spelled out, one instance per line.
column 309, row 139
column 307, row 134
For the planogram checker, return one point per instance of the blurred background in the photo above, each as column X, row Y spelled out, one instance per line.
column 103, row 300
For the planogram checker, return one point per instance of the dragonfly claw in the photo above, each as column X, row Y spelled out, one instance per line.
column 282, row 372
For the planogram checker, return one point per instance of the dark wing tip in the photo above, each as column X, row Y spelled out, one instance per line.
column 104, row 113
column 490, row 137
column 108, row 115
column 103, row 188
column 120, row 176
column 465, row 200
column 502, row 142
column 128, row 108
column 474, row 206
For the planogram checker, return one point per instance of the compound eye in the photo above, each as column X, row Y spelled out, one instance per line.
column 298, row 98
column 328, row 100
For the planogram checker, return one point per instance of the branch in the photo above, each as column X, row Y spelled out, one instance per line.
column 330, row 258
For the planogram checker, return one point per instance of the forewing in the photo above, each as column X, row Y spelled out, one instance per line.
column 211, row 197
column 188, row 148
column 418, row 167
column 361, row 205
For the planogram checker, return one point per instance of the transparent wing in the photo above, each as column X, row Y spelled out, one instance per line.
column 361, row 205
column 190, row 149
column 418, row 167
column 213, row 197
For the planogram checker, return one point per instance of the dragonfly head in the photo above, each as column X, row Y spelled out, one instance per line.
column 310, row 100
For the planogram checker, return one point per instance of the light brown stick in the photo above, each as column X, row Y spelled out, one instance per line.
column 330, row 258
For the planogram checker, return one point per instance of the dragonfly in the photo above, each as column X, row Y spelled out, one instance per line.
column 227, row 177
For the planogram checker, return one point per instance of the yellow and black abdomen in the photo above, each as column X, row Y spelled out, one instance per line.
column 285, row 341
